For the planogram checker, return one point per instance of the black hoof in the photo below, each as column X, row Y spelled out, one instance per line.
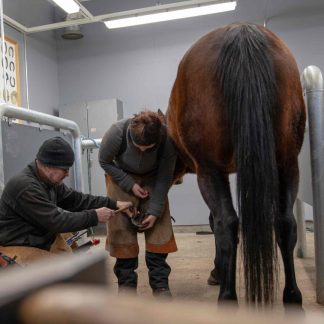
column 228, row 299
column 292, row 297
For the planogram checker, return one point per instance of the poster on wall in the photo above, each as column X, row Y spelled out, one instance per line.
column 9, row 72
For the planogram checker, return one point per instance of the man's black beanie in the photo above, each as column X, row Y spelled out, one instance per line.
column 56, row 152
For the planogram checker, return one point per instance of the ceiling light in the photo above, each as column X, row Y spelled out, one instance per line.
column 171, row 15
column 69, row 6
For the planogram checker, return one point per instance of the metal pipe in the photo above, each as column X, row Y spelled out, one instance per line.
column 301, row 248
column 49, row 120
column 14, row 24
column 90, row 143
column 312, row 82
column 84, row 10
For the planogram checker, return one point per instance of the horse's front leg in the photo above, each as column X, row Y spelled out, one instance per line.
column 286, row 232
column 215, row 189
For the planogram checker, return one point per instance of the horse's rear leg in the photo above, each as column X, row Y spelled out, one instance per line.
column 286, row 231
column 214, row 187
column 213, row 279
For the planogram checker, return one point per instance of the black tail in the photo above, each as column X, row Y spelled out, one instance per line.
column 245, row 71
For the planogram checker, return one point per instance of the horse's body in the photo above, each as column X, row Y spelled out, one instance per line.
column 237, row 106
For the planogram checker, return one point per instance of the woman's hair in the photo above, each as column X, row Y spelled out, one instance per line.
column 146, row 128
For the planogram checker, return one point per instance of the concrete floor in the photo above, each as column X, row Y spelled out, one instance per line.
column 194, row 260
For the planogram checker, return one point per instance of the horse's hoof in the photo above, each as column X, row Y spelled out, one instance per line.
column 228, row 298
column 212, row 281
column 292, row 297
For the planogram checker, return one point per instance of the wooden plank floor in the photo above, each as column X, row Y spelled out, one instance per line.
column 193, row 261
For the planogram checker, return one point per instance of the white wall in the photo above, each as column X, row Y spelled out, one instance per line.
column 43, row 73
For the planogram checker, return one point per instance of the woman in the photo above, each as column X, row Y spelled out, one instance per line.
column 139, row 158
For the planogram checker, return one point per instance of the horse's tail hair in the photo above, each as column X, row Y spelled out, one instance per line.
column 245, row 70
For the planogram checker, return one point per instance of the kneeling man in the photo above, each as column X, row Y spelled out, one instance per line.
column 36, row 205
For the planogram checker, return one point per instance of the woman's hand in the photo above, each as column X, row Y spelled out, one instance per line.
column 139, row 192
column 148, row 222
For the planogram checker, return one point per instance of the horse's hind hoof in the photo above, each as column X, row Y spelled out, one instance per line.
column 228, row 303
column 292, row 297
column 228, row 299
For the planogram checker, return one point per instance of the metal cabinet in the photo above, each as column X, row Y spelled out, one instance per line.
column 93, row 118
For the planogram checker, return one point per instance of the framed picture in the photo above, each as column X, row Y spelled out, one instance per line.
column 10, row 83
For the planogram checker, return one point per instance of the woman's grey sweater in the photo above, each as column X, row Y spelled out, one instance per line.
column 120, row 165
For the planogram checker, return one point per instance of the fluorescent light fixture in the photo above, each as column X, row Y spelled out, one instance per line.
column 171, row 15
column 69, row 6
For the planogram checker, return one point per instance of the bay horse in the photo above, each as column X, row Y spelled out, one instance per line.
column 237, row 106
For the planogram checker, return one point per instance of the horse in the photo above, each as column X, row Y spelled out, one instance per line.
column 237, row 106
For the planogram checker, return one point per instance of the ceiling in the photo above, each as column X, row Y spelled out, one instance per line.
column 33, row 16
column 50, row 16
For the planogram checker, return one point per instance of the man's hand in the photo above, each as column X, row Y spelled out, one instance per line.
column 139, row 192
column 104, row 214
column 148, row 222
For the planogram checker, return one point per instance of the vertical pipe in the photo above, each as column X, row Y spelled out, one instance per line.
column 313, row 85
column 88, row 153
column 78, row 179
column 301, row 249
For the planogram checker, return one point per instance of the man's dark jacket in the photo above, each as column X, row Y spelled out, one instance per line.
column 33, row 212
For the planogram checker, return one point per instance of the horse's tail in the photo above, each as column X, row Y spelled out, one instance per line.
column 245, row 71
